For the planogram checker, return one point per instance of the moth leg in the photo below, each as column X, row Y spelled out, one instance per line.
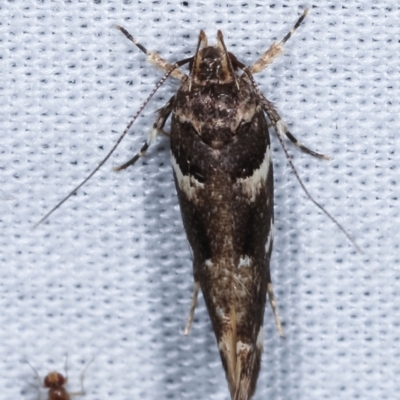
column 163, row 114
column 153, row 57
column 192, row 307
column 275, row 49
column 165, row 133
column 281, row 128
column 271, row 299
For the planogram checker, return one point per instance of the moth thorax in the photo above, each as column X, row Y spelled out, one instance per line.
column 54, row 380
column 212, row 66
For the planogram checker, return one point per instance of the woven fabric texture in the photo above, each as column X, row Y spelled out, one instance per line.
column 110, row 274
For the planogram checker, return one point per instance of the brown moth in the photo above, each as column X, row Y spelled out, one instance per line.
column 222, row 166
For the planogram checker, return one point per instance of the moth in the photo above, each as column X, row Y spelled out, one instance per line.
column 223, row 172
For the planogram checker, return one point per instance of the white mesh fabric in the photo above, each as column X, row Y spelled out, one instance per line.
column 110, row 272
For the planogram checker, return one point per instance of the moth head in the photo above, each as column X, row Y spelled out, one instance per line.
column 212, row 64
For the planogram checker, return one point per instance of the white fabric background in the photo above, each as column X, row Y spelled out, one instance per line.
column 110, row 272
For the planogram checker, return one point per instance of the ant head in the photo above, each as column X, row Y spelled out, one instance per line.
column 54, row 380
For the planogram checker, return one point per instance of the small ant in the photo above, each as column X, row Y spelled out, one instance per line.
column 55, row 383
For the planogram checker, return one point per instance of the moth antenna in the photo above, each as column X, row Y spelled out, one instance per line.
column 289, row 158
column 163, row 115
column 278, row 126
column 159, row 83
